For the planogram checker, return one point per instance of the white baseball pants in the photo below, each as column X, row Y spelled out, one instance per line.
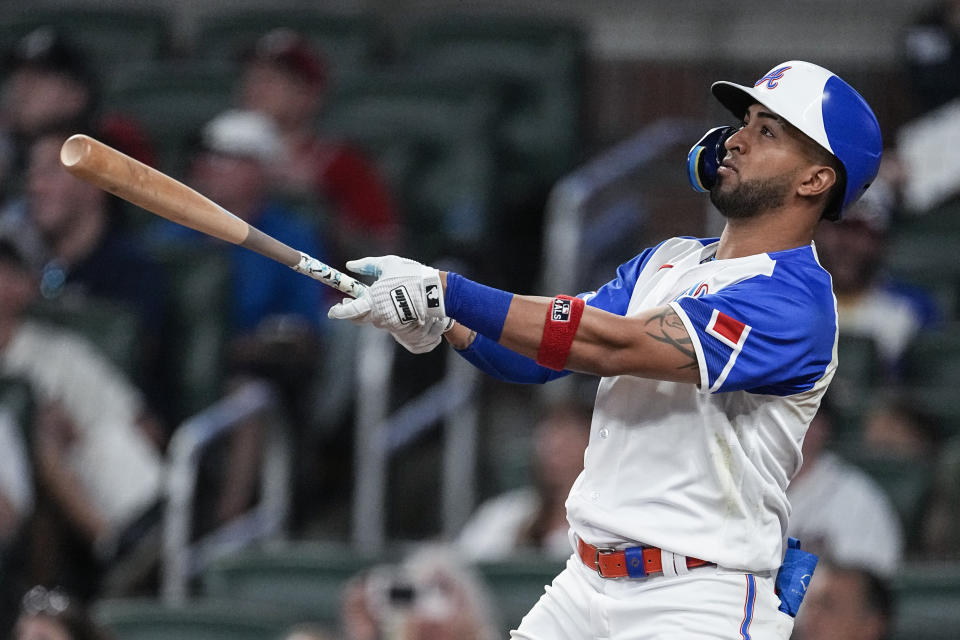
column 707, row 603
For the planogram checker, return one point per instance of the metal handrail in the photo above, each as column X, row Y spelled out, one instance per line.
column 567, row 204
column 380, row 436
column 184, row 559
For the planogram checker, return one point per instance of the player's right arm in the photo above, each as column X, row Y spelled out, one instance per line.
column 666, row 353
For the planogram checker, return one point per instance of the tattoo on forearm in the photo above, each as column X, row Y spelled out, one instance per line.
column 666, row 327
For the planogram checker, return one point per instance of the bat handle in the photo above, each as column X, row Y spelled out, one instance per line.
column 329, row 276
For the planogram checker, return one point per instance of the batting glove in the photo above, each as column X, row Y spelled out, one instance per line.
column 406, row 300
column 421, row 339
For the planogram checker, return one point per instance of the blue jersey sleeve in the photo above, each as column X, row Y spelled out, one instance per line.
column 767, row 334
column 503, row 364
column 615, row 295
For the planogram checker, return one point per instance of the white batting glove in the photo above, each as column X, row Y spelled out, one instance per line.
column 406, row 300
column 421, row 339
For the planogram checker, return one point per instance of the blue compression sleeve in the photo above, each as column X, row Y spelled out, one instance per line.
column 503, row 364
column 476, row 306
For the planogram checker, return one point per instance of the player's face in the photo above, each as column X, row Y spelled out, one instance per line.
column 759, row 172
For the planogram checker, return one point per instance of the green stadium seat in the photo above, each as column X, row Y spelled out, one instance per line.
column 113, row 37
column 16, row 395
column 517, row 584
column 111, row 326
column 933, row 359
column 537, row 64
column 172, row 101
column 347, row 41
column 149, row 619
column 432, row 141
column 943, row 219
column 906, row 482
column 926, row 258
column 305, row 579
column 927, row 601
column 197, row 322
column 939, row 406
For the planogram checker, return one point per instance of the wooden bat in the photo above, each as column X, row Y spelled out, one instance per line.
column 158, row 193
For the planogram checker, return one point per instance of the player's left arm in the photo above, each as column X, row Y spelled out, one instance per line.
column 653, row 344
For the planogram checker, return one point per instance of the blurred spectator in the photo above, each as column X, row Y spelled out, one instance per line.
column 230, row 167
column 932, row 50
column 276, row 315
column 49, row 84
column 52, row 614
column 534, row 517
column 86, row 256
column 99, row 476
column 845, row 603
column 432, row 595
column 838, row 511
column 286, row 79
column 870, row 302
column 893, row 428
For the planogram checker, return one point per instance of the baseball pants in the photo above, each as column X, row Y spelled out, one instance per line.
column 708, row 603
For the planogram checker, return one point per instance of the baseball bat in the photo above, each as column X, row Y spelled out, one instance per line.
column 119, row 174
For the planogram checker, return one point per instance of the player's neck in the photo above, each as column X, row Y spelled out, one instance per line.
column 765, row 234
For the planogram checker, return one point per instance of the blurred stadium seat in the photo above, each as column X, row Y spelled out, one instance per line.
column 927, row 602
column 113, row 37
column 906, row 482
column 197, row 326
column 347, row 41
column 538, row 65
column 432, row 141
column 858, row 372
column 112, row 327
column 931, row 370
column 304, row 580
column 926, row 257
column 517, row 584
column 16, row 396
column 149, row 619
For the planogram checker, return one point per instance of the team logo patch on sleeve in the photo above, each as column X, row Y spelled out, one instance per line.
column 727, row 330
column 561, row 310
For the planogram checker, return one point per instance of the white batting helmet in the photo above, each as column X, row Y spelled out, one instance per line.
column 825, row 108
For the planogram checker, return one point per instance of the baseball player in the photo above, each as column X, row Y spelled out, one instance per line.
column 714, row 355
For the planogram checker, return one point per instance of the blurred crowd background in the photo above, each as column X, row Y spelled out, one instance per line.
column 189, row 449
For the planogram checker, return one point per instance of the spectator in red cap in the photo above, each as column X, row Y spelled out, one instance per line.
column 286, row 79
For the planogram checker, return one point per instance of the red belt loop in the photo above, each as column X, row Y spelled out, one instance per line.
column 612, row 563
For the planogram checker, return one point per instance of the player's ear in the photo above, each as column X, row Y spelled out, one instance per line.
column 817, row 179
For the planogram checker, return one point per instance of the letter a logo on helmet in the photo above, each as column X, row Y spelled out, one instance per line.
column 825, row 108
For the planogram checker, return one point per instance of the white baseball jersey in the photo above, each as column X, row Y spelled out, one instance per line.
column 702, row 470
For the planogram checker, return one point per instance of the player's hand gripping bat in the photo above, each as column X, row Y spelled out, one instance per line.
column 158, row 193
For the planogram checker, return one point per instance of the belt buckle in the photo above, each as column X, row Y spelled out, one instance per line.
column 596, row 560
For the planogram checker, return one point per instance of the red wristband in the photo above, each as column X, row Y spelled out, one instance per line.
column 563, row 318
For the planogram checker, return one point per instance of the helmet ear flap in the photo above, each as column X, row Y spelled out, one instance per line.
column 705, row 157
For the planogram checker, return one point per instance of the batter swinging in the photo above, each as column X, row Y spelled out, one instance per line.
column 714, row 355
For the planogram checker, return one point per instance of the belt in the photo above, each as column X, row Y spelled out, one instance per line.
column 632, row 562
